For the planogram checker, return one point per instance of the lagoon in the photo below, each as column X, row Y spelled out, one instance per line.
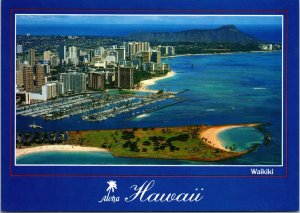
column 241, row 137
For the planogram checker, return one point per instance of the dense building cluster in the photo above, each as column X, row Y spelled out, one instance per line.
column 78, row 70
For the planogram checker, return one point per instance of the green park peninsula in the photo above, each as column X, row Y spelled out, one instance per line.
column 194, row 143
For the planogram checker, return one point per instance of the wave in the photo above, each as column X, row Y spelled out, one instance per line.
column 259, row 88
column 210, row 110
column 143, row 116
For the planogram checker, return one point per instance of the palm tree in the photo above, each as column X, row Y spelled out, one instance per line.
column 112, row 185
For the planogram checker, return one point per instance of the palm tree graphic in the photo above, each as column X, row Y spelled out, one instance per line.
column 112, row 185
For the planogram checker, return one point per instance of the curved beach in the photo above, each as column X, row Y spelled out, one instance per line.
column 60, row 148
column 144, row 84
column 211, row 134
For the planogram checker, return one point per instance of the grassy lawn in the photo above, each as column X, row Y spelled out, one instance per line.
column 167, row 143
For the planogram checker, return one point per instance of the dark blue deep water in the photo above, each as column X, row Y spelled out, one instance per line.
column 223, row 89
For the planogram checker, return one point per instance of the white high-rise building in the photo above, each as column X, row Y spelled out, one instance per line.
column 74, row 82
column 136, row 47
column 19, row 48
column 121, row 53
column 73, row 56
column 99, row 51
column 48, row 92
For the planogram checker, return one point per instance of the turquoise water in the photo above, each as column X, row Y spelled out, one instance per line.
column 241, row 137
column 55, row 157
column 223, row 89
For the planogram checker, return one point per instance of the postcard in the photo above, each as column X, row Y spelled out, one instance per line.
column 142, row 107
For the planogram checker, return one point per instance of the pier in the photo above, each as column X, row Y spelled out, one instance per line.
column 129, row 107
column 182, row 91
column 157, row 108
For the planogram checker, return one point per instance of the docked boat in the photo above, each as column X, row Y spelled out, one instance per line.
column 34, row 126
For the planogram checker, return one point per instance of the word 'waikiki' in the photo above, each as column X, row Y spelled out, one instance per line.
column 262, row 171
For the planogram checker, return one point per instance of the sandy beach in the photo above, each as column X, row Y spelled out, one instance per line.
column 60, row 148
column 211, row 133
column 188, row 54
column 144, row 84
column 144, row 89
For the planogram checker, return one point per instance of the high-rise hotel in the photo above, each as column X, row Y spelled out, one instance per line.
column 28, row 78
column 73, row 56
column 96, row 80
column 124, row 77
column 73, row 82
column 39, row 76
column 137, row 47
column 31, row 56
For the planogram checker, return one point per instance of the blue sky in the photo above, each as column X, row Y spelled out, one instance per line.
column 155, row 19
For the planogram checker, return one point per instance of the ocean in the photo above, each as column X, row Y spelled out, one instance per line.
column 223, row 89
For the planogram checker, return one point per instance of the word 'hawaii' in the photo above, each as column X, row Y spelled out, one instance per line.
column 143, row 194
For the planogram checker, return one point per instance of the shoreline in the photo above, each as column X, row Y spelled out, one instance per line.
column 190, row 54
column 144, row 89
column 59, row 148
column 225, row 53
column 145, row 83
column 211, row 134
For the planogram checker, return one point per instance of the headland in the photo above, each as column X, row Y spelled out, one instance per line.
column 196, row 143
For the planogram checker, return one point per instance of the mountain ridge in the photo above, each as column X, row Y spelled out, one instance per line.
column 225, row 33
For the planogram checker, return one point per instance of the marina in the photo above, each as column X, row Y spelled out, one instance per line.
column 98, row 106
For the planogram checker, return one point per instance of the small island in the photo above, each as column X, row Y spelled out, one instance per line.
column 195, row 143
